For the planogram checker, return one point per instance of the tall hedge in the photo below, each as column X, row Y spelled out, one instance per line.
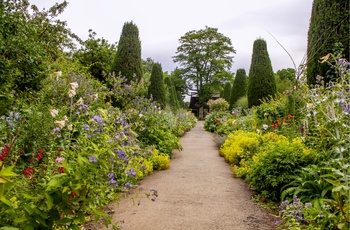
column 328, row 33
column 261, row 82
column 227, row 91
column 239, row 87
column 128, row 62
column 156, row 89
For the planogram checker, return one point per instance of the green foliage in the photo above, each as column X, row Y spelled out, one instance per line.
column 261, row 83
column 274, row 165
column 128, row 62
column 28, row 42
column 242, row 103
column 218, row 105
column 213, row 120
column 328, row 33
column 239, row 88
column 156, row 90
column 205, row 58
column 227, row 91
column 96, row 55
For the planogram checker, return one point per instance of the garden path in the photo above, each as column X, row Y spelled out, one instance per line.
column 197, row 192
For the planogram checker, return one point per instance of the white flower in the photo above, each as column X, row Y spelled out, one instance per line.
column 140, row 115
column 65, row 118
column 258, row 130
column 95, row 96
column 71, row 93
column 58, row 73
column 74, row 85
column 80, row 101
column 310, row 106
column 60, row 124
column 265, row 126
column 70, row 127
column 54, row 112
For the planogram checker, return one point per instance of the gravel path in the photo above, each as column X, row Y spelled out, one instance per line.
column 197, row 192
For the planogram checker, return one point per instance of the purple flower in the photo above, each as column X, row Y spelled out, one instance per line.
column 92, row 159
column 153, row 198
column 86, row 127
column 59, row 159
column 110, row 175
column 127, row 185
column 112, row 181
column 98, row 120
column 131, row 172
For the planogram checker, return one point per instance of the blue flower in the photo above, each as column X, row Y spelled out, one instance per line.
column 92, row 159
column 131, row 172
column 98, row 120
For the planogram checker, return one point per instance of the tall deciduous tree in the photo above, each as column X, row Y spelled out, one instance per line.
column 239, row 87
column 128, row 62
column 328, row 33
column 261, row 82
column 29, row 41
column 204, row 56
column 97, row 55
column 156, row 89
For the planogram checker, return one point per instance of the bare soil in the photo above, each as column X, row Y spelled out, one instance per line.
column 197, row 192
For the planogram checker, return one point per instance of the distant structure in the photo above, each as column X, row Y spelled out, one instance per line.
column 197, row 109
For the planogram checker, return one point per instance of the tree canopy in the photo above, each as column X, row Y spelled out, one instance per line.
column 204, row 56
column 261, row 82
column 128, row 62
column 156, row 89
column 239, row 87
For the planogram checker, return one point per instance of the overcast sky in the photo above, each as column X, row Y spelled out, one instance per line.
column 161, row 23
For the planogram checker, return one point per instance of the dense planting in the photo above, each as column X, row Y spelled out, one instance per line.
column 299, row 159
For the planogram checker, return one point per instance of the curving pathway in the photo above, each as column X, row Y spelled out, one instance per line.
column 197, row 192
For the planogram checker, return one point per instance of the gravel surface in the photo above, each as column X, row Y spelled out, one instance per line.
column 197, row 192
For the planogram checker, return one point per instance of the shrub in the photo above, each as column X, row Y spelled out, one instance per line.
column 240, row 146
column 214, row 119
column 218, row 105
column 275, row 164
column 160, row 161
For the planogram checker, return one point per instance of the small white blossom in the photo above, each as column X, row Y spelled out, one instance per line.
column 265, row 126
column 71, row 93
column 74, row 85
column 80, row 101
column 53, row 112
column 70, row 127
column 60, row 124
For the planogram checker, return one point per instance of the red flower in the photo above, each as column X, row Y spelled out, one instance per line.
column 38, row 157
column 74, row 194
column 5, row 152
column 284, row 120
column 217, row 121
column 28, row 172
column 61, row 169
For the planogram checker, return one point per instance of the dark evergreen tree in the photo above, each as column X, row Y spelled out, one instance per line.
column 261, row 82
column 239, row 87
column 227, row 91
column 128, row 62
column 328, row 33
column 157, row 89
